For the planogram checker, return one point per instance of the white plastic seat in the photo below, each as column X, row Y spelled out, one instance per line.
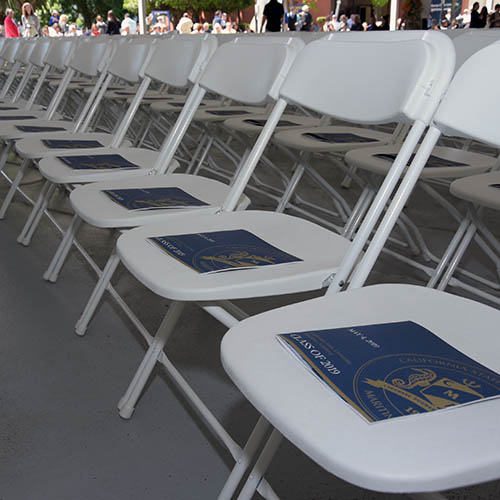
column 221, row 113
column 169, row 278
column 255, row 123
column 94, row 207
column 432, row 452
column 479, row 189
column 445, row 163
column 330, row 139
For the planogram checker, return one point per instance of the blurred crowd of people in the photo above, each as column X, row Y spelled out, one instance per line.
column 274, row 18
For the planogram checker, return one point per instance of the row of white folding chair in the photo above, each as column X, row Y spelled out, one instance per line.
column 337, row 438
column 410, row 96
column 196, row 53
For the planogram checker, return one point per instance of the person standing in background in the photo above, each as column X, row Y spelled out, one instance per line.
column 306, row 19
column 113, row 24
column 273, row 16
column 292, row 19
column 100, row 24
column 31, row 23
column 129, row 23
column 475, row 20
column 54, row 18
column 9, row 25
column 495, row 17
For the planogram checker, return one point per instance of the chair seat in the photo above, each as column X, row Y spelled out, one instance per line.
column 95, row 208
column 171, row 279
column 450, row 163
column 342, row 139
column 32, row 147
column 127, row 93
column 427, row 452
column 58, row 172
column 478, row 189
column 175, row 104
column 255, row 124
column 222, row 113
column 9, row 131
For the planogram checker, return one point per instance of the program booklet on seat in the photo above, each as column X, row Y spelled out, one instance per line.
column 392, row 370
column 97, row 162
column 153, row 198
column 218, row 251
column 71, row 144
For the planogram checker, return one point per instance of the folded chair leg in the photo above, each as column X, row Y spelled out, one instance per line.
column 36, row 214
column 260, row 467
column 52, row 272
column 107, row 273
column 127, row 403
column 5, row 154
column 244, row 460
column 13, row 188
column 290, row 189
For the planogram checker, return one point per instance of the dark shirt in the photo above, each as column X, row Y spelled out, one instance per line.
column 292, row 21
column 274, row 12
column 113, row 28
column 306, row 21
column 53, row 20
column 357, row 27
column 475, row 20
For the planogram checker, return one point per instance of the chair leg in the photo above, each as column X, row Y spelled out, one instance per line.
column 244, row 460
column 107, row 273
column 5, row 154
column 127, row 403
column 36, row 214
column 260, row 467
column 52, row 272
column 13, row 188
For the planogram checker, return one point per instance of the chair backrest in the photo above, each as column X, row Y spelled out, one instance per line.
column 257, row 63
column 167, row 66
column 24, row 53
column 471, row 41
column 2, row 44
column 89, row 56
column 60, row 53
column 128, row 58
column 39, row 55
column 402, row 70
column 478, row 119
column 10, row 49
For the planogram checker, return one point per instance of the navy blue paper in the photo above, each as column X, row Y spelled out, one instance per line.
column 19, row 117
column 97, row 162
column 34, row 128
column 222, row 250
column 227, row 112
column 153, row 198
column 339, row 138
column 262, row 123
column 391, row 370
column 433, row 161
column 71, row 144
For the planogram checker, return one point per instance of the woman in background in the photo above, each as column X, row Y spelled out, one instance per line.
column 31, row 23
column 113, row 24
column 10, row 27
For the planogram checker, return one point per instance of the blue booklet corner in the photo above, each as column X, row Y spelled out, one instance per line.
column 153, row 198
column 222, row 250
column 97, row 162
column 71, row 144
column 432, row 162
column 392, row 370
column 35, row 128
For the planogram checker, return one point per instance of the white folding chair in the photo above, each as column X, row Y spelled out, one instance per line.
column 431, row 452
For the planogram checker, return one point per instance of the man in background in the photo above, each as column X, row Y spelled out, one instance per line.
column 273, row 16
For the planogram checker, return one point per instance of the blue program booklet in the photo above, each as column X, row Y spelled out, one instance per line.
column 262, row 123
column 153, row 198
column 35, row 128
column 71, row 144
column 392, row 370
column 19, row 117
column 433, row 161
column 222, row 250
column 97, row 162
column 335, row 137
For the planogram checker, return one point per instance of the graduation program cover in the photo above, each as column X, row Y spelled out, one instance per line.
column 97, row 162
column 391, row 370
